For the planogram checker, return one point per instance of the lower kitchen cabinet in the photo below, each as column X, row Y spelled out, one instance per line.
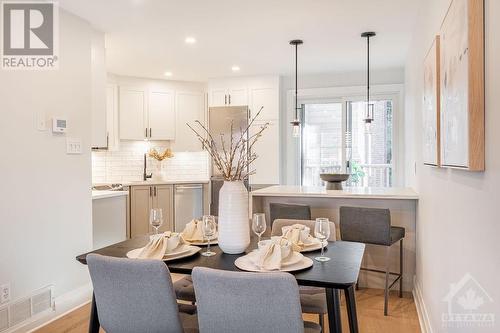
column 145, row 197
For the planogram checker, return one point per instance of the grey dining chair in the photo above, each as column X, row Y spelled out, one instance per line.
column 289, row 211
column 246, row 302
column 136, row 296
column 312, row 299
column 373, row 226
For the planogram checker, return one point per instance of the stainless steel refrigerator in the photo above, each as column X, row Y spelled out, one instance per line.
column 220, row 119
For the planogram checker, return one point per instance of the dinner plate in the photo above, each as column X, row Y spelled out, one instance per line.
column 244, row 263
column 314, row 247
column 212, row 242
column 187, row 251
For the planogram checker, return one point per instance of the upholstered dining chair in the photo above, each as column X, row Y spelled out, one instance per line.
column 246, row 302
column 136, row 296
column 373, row 226
column 312, row 299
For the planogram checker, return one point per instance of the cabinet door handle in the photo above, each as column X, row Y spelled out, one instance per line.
column 225, row 99
column 155, row 192
column 146, row 132
column 229, row 99
column 150, row 191
column 150, row 132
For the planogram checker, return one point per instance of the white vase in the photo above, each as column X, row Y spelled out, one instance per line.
column 234, row 227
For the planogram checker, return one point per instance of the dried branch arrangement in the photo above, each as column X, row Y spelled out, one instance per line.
column 160, row 157
column 232, row 158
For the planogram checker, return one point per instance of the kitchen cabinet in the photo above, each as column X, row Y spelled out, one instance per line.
column 190, row 106
column 113, row 140
column 146, row 114
column 267, row 97
column 267, row 165
column 133, row 118
column 99, row 136
column 145, row 197
column 236, row 96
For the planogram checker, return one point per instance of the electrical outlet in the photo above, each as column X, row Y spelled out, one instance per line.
column 4, row 293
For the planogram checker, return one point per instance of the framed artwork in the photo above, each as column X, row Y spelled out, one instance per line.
column 462, row 86
column 431, row 106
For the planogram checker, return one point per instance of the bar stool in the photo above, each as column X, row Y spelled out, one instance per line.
column 373, row 226
column 289, row 212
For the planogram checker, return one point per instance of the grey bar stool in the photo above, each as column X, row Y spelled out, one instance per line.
column 289, row 211
column 312, row 299
column 373, row 226
column 136, row 296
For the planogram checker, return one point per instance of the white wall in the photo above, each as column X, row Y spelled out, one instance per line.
column 458, row 222
column 45, row 198
column 289, row 149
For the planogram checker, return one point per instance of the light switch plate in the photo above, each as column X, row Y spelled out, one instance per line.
column 73, row 146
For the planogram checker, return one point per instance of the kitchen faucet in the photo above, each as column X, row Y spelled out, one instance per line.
column 145, row 175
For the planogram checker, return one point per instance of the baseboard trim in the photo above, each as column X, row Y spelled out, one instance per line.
column 64, row 304
column 423, row 315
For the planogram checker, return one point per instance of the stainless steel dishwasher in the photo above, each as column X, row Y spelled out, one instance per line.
column 188, row 201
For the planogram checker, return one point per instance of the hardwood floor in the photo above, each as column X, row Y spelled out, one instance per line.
column 370, row 303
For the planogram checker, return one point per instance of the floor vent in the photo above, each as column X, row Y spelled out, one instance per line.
column 19, row 311
column 4, row 318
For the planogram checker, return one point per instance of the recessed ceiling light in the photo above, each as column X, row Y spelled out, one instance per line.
column 235, row 68
column 167, row 73
column 190, row 40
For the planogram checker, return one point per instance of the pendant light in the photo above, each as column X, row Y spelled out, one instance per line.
column 296, row 122
column 369, row 116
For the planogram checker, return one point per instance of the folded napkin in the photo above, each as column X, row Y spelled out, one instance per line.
column 270, row 256
column 193, row 231
column 299, row 235
column 159, row 245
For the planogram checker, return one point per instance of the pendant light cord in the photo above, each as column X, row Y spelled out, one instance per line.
column 296, row 81
column 368, row 76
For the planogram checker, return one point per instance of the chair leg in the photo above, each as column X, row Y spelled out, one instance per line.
column 322, row 321
column 386, row 289
column 401, row 255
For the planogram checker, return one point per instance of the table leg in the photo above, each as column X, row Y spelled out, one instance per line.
column 350, row 302
column 94, row 318
column 333, row 305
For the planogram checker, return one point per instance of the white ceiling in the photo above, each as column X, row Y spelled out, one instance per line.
column 146, row 37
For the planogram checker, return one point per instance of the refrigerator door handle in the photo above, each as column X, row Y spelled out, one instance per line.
column 225, row 99
column 229, row 99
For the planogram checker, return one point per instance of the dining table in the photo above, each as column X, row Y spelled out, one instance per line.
column 338, row 274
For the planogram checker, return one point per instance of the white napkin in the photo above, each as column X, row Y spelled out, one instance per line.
column 193, row 231
column 159, row 245
column 270, row 255
column 299, row 235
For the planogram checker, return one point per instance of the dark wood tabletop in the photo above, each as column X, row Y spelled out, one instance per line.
column 340, row 272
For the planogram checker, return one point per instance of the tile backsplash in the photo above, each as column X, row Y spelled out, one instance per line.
column 126, row 164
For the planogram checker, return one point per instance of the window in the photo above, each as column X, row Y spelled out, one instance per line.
column 335, row 139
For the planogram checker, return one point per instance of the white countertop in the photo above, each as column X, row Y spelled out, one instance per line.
column 107, row 194
column 401, row 193
column 165, row 182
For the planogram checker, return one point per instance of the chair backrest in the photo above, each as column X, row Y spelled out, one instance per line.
column 289, row 211
column 365, row 225
column 133, row 295
column 280, row 223
column 244, row 302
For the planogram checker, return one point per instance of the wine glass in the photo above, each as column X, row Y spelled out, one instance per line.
column 259, row 224
column 156, row 218
column 209, row 227
column 322, row 233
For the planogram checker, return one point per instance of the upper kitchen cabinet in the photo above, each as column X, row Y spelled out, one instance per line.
column 133, row 117
column 161, row 115
column 190, row 107
column 98, row 92
column 235, row 96
column 265, row 92
column 146, row 114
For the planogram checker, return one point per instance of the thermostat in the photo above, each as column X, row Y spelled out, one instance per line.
column 59, row 125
